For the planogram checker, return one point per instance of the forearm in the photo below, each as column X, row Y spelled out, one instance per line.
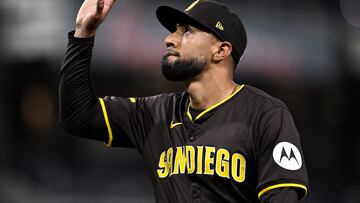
column 80, row 113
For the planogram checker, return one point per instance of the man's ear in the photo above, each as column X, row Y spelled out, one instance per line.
column 222, row 50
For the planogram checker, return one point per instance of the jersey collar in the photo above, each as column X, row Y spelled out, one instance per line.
column 238, row 89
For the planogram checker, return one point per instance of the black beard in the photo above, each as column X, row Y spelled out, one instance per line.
column 181, row 70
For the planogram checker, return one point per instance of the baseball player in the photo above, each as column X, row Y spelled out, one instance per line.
column 217, row 141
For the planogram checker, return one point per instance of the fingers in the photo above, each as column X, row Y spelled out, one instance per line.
column 100, row 6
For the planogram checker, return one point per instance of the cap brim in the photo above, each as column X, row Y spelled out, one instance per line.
column 169, row 17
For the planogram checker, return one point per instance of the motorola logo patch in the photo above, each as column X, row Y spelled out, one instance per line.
column 287, row 156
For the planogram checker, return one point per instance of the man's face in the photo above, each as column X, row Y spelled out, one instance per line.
column 188, row 52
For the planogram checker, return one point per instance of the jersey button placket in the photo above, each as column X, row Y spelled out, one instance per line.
column 195, row 193
column 192, row 131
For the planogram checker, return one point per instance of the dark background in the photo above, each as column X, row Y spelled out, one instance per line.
column 304, row 52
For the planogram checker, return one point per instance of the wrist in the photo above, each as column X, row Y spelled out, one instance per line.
column 82, row 33
column 78, row 40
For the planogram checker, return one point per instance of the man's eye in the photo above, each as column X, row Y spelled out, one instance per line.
column 188, row 29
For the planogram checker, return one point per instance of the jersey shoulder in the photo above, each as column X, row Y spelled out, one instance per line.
column 262, row 100
column 162, row 99
column 149, row 103
column 160, row 104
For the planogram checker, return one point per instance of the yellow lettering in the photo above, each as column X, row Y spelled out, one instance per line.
column 180, row 161
column 222, row 163
column 169, row 158
column 199, row 159
column 190, row 155
column 209, row 160
column 163, row 170
column 184, row 160
column 238, row 164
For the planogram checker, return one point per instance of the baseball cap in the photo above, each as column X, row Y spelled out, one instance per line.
column 210, row 16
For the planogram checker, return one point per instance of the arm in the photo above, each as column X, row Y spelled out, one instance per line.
column 281, row 166
column 80, row 111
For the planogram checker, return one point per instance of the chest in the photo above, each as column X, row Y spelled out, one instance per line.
column 219, row 145
column 226, row 130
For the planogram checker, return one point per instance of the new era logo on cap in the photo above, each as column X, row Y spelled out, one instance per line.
column 219, row 26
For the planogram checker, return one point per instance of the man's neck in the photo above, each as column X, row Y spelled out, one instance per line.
column 209, row 90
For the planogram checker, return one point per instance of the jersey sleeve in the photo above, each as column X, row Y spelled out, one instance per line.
column 79, row 109
column 128, row 120
column 280, row 158
column 280, row 195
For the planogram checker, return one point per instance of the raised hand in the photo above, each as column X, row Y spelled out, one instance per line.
column 91, row 14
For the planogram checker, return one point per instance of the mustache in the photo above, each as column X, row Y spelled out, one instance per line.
column 171, row 52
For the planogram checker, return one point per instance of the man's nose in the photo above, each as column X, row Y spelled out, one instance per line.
column 172, row 40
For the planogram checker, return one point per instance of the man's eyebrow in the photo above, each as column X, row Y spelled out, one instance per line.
column 187, row 25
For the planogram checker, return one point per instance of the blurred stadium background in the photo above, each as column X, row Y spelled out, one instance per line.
column 306, row 53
